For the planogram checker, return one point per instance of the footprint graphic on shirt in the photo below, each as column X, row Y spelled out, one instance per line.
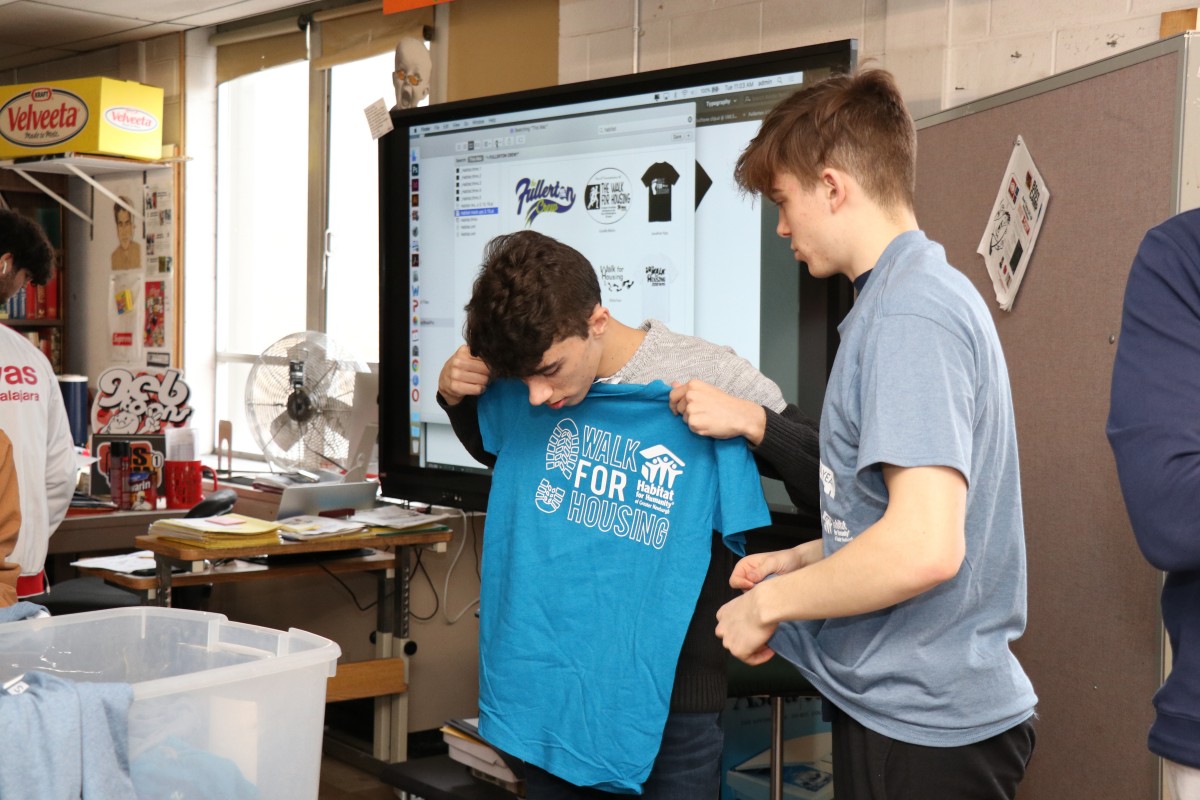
column 562, row 451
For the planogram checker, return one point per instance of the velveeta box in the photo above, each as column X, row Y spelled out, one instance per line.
column 85, row 115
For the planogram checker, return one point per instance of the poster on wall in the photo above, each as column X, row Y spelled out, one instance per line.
column 124, row 311
column 158, row 310
column 159, row 216
column 139, row 247
column 1014, row 224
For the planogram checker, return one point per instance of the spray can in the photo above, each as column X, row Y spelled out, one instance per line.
column 118, row 474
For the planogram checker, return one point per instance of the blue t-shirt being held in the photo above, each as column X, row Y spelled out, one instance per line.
column 598, row 537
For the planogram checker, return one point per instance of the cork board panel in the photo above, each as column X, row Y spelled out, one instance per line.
column 1105, row 148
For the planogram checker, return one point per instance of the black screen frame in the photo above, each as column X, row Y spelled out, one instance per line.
column 822, row 303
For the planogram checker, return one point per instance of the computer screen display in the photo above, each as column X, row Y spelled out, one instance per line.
column 634, row 172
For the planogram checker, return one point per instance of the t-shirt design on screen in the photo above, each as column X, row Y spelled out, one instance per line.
column 613, row 278
column 658, row 180
column 607, row 195
column 543, row 197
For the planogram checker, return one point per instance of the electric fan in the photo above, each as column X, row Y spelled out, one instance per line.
column 299, row 402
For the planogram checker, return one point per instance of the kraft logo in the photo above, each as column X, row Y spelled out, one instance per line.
column 129, row 119
column 42, row 117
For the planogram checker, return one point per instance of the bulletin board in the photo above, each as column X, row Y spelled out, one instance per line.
column 139, row 256
column 1105, row 140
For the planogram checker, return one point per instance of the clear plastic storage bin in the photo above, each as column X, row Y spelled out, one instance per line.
column 214, row 700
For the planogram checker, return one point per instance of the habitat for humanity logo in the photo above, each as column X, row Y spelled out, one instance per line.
column 606, row 196
column 543, row 198
column 609, row 483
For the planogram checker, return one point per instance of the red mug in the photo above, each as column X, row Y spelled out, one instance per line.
column 183, row 483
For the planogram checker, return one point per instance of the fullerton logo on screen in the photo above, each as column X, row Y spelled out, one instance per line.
column 42, row 116
column 542, row 197
column 130, row 119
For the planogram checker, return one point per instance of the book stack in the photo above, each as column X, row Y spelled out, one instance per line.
column 225, row 530
column 481, row 759
column 33, row 302
column 49, row 341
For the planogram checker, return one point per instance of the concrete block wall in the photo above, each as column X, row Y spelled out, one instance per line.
column 943, row 52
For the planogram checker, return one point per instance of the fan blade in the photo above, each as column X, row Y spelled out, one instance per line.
column 335, row 458
column 284, row 432
column 335, row 410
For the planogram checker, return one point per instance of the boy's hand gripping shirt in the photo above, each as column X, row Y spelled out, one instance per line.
column 597, row 541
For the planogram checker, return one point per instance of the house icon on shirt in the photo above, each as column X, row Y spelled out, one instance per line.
column 662, row 466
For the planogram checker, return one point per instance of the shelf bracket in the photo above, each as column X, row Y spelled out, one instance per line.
column 62, row 200
column 78, row 173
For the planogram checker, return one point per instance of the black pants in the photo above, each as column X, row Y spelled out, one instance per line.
column 870, row 766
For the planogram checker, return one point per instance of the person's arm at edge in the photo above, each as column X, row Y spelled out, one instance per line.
column 919, row 543
column 1153, row 426
column 463, row 378
column 10, row 523
column 785, row 444
column 464, row 419
column 62, row 464
column 790, row 451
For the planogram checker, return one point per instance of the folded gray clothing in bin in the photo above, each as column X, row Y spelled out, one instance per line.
column 65, row 740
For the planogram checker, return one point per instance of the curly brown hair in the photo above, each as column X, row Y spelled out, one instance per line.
column 531, row 292
column 27, row 242
column 855, row 123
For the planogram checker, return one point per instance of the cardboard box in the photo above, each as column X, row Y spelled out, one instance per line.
column 808, row 764
column 84, row 115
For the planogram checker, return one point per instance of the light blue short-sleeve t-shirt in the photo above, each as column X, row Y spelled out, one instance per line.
column 598, row 537
column 920, row 380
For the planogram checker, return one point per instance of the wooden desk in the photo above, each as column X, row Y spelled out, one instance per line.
column 368, row 679
column 111, row 530
column 238, row 571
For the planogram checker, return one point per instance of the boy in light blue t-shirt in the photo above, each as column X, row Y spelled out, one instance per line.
column 904, row 613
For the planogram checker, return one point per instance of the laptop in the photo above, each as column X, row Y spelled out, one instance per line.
column 314, row 498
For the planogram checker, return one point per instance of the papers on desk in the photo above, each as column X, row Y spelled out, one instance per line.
column 308, row 526
column 129, row 562
column 225, row 530
column 395, row 517
column 278, row 481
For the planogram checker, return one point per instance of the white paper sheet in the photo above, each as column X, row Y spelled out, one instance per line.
column 1014, row 225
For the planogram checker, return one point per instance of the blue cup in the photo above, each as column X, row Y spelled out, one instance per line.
column 74, row 391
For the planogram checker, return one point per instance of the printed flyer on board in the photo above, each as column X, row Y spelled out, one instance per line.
column 1014, row 225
